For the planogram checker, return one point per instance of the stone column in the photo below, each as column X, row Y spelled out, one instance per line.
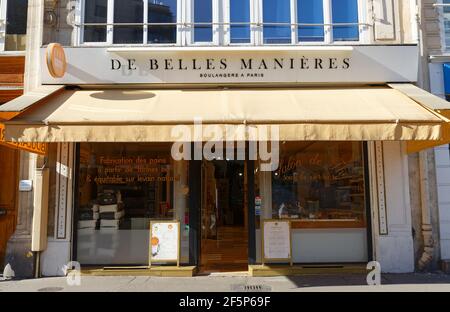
column 18, row 252
column 426, row 234
column 391, row 207
column 35, row 26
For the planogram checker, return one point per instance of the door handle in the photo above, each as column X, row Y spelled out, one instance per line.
column 3, row 212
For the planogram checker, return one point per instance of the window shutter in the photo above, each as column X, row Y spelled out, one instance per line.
column 384, row 22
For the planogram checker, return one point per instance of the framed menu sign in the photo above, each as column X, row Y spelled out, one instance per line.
column 164, row 242
column 276, row 241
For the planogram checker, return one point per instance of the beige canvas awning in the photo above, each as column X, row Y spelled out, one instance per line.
column 430, row 101
column 111, row 115
column 29, row 99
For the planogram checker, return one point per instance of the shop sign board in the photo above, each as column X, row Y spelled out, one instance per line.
column 276, row 65
column 56, row 60
column 32, row 147
column 25, row 185
column 164, row 242
column 276, row 241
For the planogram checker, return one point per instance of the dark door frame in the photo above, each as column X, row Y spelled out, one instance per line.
column 195, row 196
column 368, row 205
column 195, row 200
column 251, row 210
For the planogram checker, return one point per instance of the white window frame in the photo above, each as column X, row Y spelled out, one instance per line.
column 2, row 24
column 221, row 27
column 363, row 28
column 79, row 18
column 364, row 31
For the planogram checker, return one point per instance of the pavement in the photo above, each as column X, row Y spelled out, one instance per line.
column 414, row 282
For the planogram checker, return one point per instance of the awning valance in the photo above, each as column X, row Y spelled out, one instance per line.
column 334, row 113
column 14, row 107
column 32, row 147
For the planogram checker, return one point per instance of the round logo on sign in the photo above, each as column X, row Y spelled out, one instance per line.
column 56, row 60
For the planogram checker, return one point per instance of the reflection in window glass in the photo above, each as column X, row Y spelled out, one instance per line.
column 203, row 14
column 310, row 12
column 318, row 181
column 240, row 13
column 95, row 11
column 162, row 11
column 128, row 11
column 277, row 11
column 16, row 25
column 345, row 11
column 122, row 187
column 447, row 23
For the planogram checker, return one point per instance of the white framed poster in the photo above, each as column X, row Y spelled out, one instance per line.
column 164, row 242
column 276, row 241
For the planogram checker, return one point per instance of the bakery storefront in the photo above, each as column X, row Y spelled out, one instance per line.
column 319, row 186
column 231, row 144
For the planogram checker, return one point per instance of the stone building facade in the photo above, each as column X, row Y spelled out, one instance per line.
column 407, row 229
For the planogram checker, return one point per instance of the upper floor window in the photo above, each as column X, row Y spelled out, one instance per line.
column 220, row 22
column 240, row 18
column 446, row 15
column 95, row 12
column 130, row 21
column 345, row 20
column 311, row 20
column 127, row 14
column 203, row 18
column 277, row 21
column 13, row 24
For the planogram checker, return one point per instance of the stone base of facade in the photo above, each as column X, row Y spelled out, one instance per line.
column 20, row 257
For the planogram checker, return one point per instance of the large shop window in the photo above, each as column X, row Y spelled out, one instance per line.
column 220, row 22
column 320, row 188
column 319, row 182
column 13, row 24
column 121, row 188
